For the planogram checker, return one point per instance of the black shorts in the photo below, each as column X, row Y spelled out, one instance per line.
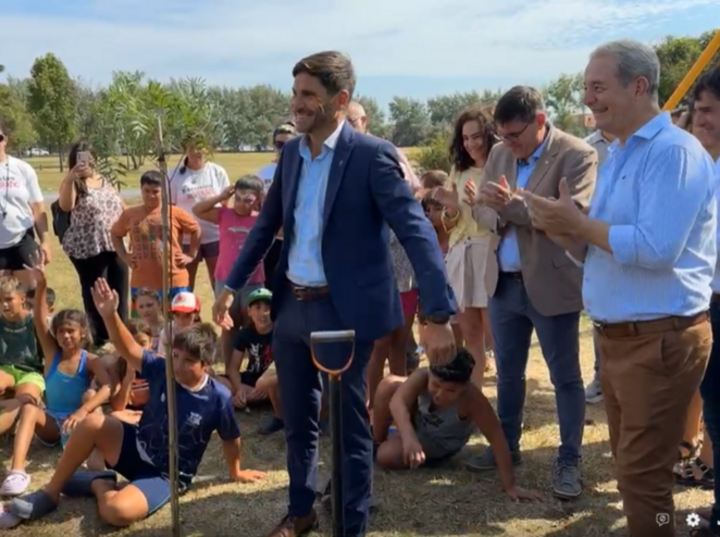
column 23, row 253
column 249, row 379
column 209, row 250
column 143, row 475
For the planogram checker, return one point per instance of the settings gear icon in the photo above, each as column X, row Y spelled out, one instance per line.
column 693, row 520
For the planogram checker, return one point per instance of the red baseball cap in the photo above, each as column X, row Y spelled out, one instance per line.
column 185, row 302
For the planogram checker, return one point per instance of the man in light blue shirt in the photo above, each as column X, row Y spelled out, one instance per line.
column 305, row 267
column 649, row 250
column 706, row 97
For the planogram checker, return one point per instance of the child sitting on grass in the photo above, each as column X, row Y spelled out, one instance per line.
column 140, row 454
column 436, row 411
column 258, row 382
column 185, row 311
column 149, row 309
column 21, row 368
column 50, row 299
column 68, row 374
column 131, row 391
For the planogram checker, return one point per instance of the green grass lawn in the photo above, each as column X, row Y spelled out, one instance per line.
column 236, row 165
column 446, row 501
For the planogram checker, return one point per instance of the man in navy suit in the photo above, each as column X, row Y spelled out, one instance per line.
column 333, row 192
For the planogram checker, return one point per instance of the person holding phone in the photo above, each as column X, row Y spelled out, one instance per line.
column 94, row 205
column 22, row 216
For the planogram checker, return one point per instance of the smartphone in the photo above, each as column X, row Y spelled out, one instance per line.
column 84, row 157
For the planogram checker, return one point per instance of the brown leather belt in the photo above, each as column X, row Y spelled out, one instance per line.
column 513, row 275
column 309, row 294
column 640, row 328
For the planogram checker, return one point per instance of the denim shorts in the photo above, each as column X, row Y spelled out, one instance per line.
column 141, row 474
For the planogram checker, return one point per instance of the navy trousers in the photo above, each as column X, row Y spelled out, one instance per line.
column 301, row 394
column 512, row 321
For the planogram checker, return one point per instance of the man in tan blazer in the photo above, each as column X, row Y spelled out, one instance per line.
column 532, row 283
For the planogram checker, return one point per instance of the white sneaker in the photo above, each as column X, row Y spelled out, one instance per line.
column 593, row 392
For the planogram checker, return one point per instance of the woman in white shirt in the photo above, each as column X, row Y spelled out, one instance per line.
column 196, row 180
column 22, row 216
column 282, row 135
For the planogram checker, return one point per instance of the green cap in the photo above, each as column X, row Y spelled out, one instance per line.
column 259, row 295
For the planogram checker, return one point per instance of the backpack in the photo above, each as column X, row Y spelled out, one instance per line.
column 60, row 220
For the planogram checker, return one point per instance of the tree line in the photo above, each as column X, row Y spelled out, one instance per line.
column 51, row 109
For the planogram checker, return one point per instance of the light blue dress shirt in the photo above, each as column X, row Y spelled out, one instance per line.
column 509, row 252
column 305, row 263
column 657, row 193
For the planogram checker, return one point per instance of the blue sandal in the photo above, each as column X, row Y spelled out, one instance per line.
column 34, row 506
column 80, row 484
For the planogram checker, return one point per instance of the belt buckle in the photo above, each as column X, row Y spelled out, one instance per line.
column 299, row 291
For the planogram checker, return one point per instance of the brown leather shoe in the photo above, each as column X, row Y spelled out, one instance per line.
column 295, row 526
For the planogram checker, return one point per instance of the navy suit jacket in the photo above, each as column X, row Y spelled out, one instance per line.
column 365, row 190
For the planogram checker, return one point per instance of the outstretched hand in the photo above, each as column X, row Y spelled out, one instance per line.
column 554, row 216
column 106, row 299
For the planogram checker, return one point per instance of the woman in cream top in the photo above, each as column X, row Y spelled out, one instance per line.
column 469, row 244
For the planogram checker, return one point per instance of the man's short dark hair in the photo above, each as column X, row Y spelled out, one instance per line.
column 709, row 82
column 333, row 69
column 521, row 103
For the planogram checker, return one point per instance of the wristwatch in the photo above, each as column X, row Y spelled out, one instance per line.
column 438, row 318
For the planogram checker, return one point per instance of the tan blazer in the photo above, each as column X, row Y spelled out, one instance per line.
column 552, row 281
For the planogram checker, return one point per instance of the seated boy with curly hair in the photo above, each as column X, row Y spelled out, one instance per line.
column 436, row 410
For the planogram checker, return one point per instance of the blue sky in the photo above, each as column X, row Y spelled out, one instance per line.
column 417, row 48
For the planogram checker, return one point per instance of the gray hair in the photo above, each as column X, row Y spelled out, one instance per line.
column 634, row 60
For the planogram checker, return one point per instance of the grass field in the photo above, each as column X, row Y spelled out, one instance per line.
column 439, row 502
column 236, row 165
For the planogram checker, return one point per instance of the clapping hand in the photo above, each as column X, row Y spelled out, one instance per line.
column 498, row 195
column 471, row 193
column 448, row 197
column 555, row 217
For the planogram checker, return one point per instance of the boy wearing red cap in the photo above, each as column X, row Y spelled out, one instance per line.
column 185, row 311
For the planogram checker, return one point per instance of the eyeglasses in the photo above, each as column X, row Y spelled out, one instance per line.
column 279, row 144
column 2, row 137
column 246, row 199
column 515, row 135
column 354, row 121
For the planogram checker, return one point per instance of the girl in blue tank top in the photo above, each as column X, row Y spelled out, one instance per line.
column 68, row 375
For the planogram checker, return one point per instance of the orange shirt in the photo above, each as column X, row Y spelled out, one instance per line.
column 146, row 246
